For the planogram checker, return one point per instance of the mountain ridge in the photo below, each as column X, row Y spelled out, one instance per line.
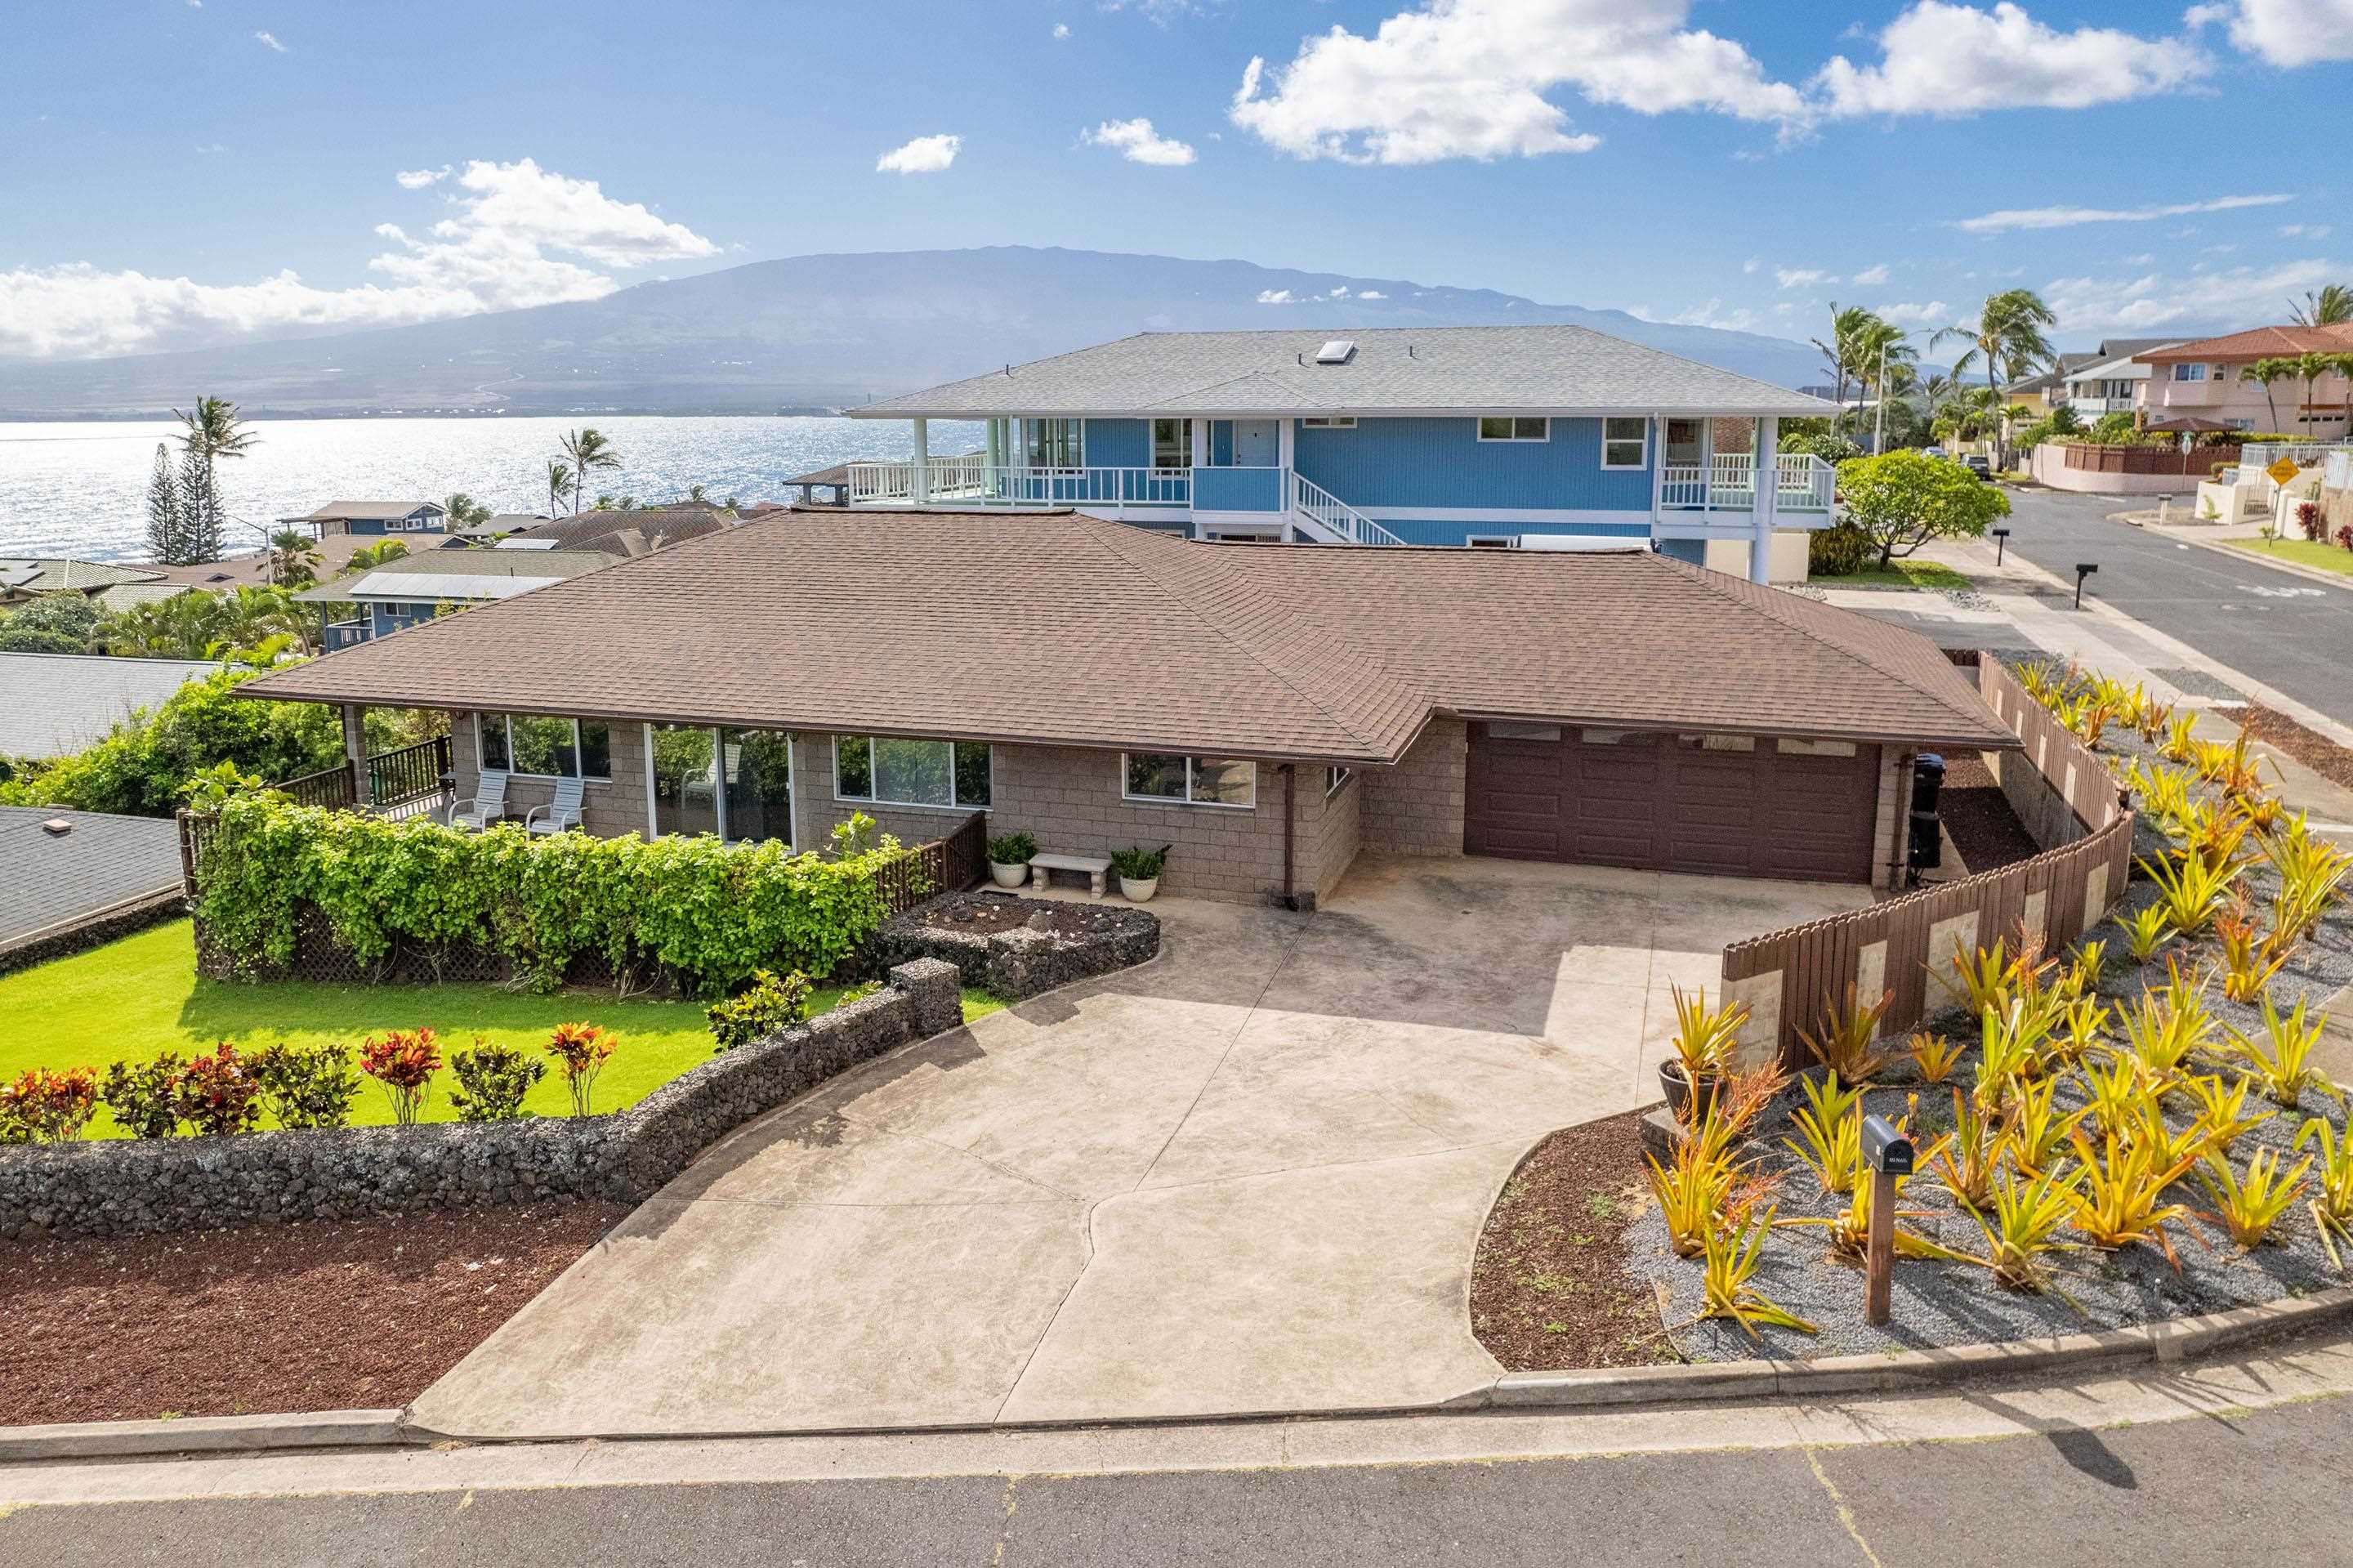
column 825, row 330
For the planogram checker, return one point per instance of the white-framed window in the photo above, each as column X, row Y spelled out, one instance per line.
column 1626, row 443
column 536, row 746
column 1512, row 428
column 1493, row 541
column 883, row 770
column 1327, row 422
column 1172, row 779
column 1172, row 443
column 415, row 523
column 1336, row 779
column 1055, row 443
column 1789, row 747
column 2185, row 371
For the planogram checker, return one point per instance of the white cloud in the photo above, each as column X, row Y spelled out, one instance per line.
column 1061, row 31
column 418, row 179
column 2284, row 32
column 2306, row 230
column 1871, row 277
column 924, row 155
column 269, row 41
column 1277, row 297
column 1713, row 315
column 518, row 234
column 1468, row 78
column 1944, row 58
column 1906, row 313
column 1752, row 264
column 1138, row 143
column 2071, row 217
column 1371, row 294
column 1801, row 277
column 2216, row 299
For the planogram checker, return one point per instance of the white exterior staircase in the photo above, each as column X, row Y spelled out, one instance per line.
column 1328, row 520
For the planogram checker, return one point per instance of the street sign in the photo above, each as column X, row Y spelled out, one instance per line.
column 2283, row 471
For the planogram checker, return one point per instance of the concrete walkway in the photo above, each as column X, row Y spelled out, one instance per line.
column 1247, row 1177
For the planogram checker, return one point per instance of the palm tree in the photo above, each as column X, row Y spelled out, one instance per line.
column 2264, row 373
column 2332, row 306
column 293, row 558
column 559, row 480
column 464, row 511
column 2008, row 335
column 585, row 450
column 694, row 492
column 214, row 430
column 1841, row 354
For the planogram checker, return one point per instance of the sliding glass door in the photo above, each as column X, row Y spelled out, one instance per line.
column 736, row 783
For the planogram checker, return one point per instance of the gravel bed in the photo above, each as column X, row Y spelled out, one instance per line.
column 1941, row 1303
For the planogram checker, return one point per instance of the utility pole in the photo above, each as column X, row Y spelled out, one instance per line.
column 1879, row 423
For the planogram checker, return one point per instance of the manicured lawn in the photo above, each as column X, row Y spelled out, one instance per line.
column 140, row 995
column 2301, row 553
column 1901, row 574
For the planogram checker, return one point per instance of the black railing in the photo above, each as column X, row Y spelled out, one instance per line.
column 411, row 774
column 947, row 864
column 404, row 783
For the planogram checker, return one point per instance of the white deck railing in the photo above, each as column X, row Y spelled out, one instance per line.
column 1727, row 483
column 972, row 482
column 1324, row 510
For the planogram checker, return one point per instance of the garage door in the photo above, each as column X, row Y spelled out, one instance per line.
column 1710, row 804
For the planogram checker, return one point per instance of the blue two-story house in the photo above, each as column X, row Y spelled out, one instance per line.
column 408, row 590
column 1505, row 437
column 375, row 517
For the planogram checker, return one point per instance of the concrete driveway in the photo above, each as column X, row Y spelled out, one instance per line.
column 1246, row 1177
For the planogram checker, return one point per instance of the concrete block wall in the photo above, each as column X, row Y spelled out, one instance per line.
column 1892, row 830
column 1416, row 807
column 1340, row 831
column 607, row 807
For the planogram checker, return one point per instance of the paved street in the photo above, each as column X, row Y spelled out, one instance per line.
column 2183, row 1490
column 2285, row 630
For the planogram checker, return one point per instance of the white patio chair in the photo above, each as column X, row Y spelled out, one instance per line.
column 559, row 814
column 487, row 805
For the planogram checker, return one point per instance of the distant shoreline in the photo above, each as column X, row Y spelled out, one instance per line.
column 86, row 417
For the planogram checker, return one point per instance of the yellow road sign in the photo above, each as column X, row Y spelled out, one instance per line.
column 2282, row 471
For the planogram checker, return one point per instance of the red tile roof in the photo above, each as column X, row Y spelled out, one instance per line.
column 1061, row 629
column 2258, row 343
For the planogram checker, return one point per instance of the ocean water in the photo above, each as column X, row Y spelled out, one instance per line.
column 79, row 488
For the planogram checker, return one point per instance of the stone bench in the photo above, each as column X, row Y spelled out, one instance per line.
column 1097, row 867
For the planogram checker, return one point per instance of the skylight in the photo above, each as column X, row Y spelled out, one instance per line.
column 1335, row 352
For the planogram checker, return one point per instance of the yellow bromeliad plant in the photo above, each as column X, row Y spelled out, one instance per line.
column 1846, row 1043
column 2332, row 1201
column 2115, row 1090
column 1935, row 1056
column 2247, row 1207
column 1733, row 1253
column 2146, row 930
column 2190, row 891
column 2250, row 960
column 1849, row 1229
column 2037, row 1131
column 2021, row 1231
column 2120, row 1201
column 2281, row 1061
column 2223, row 1111
column 2168, row 1025
column 1831, row 1126
column 2179, row 745
column 1968, row 1159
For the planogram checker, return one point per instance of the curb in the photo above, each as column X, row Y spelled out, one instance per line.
column 2163, row 1342
column 2333, row 579
column 208, row 1435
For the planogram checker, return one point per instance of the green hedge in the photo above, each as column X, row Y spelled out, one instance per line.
column 712, row 913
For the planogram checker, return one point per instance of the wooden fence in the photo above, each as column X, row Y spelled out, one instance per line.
column 947, row 864
column 2197, row 462
column 1792, row 979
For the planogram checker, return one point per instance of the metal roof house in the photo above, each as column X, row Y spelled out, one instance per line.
column 405, row 592
column 1512, row 437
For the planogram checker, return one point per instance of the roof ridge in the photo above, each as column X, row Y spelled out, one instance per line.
column 1770, row 607
column 1248, row 646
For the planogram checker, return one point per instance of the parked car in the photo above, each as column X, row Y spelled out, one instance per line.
column 1977, row 464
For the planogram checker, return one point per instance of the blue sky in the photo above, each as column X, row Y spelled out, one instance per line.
column 178, row 173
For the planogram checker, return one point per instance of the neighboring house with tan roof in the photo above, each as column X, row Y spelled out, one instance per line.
column 1269, row 712
column 2206, row 378
column 400, row 593
column 1540, row 437
column 373, row 518
column 23, row 579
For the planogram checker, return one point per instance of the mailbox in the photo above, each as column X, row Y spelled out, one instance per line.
column 1885, row 1150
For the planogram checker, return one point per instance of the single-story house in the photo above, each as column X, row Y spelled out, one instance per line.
column 23, row 579
column 397, row 594
column 69, row 869
column 55, row 703
column 1268, row 712
column 373, row 518
column 633, row 531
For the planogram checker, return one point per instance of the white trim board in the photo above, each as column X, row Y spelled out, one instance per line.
column 1507, row 514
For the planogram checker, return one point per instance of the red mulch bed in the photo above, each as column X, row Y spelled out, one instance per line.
column 1978, row 815
column 2315, row 751
column 328, row 1314
column 1549, row 1288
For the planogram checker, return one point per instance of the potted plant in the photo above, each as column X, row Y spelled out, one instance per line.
column 1705, row 1040
column 1139, row 872
column 1009, row 858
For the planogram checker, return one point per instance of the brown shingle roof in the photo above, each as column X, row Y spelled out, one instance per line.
column 1055, row 628
column 2258, row 343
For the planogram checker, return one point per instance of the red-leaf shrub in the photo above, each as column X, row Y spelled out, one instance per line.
column 45, row 1106
column 218, row 1094
column 140, row 1094
column 582, row 1050
column 2308, row 517
column 404, row 1062
column 2345, row 535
